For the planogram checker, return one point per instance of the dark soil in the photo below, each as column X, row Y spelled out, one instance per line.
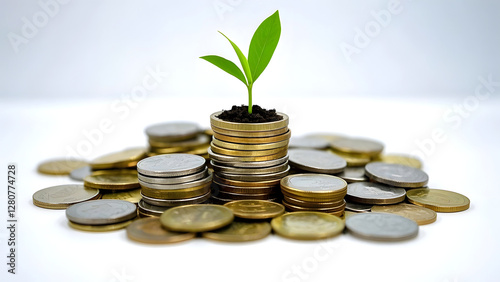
column 258, row 115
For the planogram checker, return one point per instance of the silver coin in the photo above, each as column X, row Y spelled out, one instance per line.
column 260, row 164
column 308, row 142
column 171, row 165
column 62, row 196
column 354, row 207
column 178, row 202
column 381, row 226
column 100, row 212
column 254, row 177
column 310, row 182
column 374, row 193
column 151, row 210
column 206, row 180
column 174, row 180
column 250, row 171
column 353, row 174
column 80, row 173
column 316, row 161
column 396, row 175
column 173, row 131
column 197, row 141
column 358, row 146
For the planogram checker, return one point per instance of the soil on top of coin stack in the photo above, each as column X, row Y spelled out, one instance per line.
column 258, row 115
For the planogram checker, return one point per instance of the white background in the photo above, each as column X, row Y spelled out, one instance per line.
column 416, row 80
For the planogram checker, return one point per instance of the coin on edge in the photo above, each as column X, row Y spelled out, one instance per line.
column 255, row 209
column 381, row 226
column 307, row 225
column 149, row 230
column 239, row 231
column 438, row 200
column 420, row 215
column 196, row 218
column 63, row 196
column 60, row 166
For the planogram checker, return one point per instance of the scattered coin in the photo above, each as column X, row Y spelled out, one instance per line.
column 123, row 179
column 171, row 165
column 381, row 226
column 307, row 225
column 63, row 196
column 329, row 137
column 172, row 131
column 60, row 166
column 401, row 159
column 239, row 231
column 360, row 146
column 438, row 200
column 374, row 193
column 255, row 209
column 309, row 143
column 196, row 218
column 150, row 230
column 100, row 212
column 316, row 161
column 353, row 174
column 123, row 159
column 416, row 213
column 353, row 160
column 100, row 228
column 133, row 196
column 80, row 173
column 396, row 175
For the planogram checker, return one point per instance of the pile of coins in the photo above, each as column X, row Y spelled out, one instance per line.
column 248, row 159
column 172, row 180
column 177, row 137
column 314, row 192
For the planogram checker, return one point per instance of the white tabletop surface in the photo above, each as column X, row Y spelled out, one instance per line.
column 457, row 247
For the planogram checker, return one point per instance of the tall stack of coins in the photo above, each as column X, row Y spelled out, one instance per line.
column 177, row 137
column 172, row 180
column 248, row 159
column 314, row 192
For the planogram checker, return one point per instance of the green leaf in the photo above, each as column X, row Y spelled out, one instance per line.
column 263, row 44
column 243, row 60
column 227, row 66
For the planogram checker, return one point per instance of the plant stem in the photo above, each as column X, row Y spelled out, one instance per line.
column 250, row 98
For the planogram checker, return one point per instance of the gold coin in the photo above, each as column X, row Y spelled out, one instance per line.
column 325, row 136
column 251, row 134
column 247, row 190
column 124, row 159
column 352, row 160
column 255, row 209
column 62, row 196
column 361, row 146
column 401, row 159
column 196, row 218
column 199, row 140
column 100, row 228
column 323, row 204
column 267, row 183
column 253, row 140
column 249, row 147
column 133, row 196
column 420, row 215
column 149, row 230
column 255, row 177
column 236, row 196
column 60, row 166
column 438, row 200
column 239, row 153
column 239, row 231
column 209, row 132
column 292, row 207
column 172, row 194
column 250, row 171
column 122, row 179
column 314, row 185
column 307, row 225
column 264, row 126
column 226, row 158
